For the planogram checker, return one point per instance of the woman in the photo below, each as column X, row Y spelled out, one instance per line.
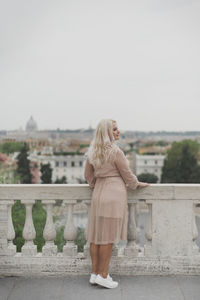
column 107, row 173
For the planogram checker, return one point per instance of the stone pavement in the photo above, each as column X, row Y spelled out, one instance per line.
column 148, row 287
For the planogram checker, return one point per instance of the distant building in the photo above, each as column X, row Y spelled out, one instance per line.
column 150, row 164
column 7, row 169
column 34, row 169
column 70, row 166
column 31, row 125
column 131, row 156
column 47, row 150
column 153, row 150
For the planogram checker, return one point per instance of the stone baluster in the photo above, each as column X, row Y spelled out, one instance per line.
column 86, row 250
column 148, row 232
column 11, row 231
column 195, row 248
column 132, row 248
column 70, row 232
column 49, row 233
column 3, row 227
column 29, row 234
column 137, row 209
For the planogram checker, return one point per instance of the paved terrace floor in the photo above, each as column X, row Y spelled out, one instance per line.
column 147, row 287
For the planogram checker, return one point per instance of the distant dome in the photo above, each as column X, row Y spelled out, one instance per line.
column 31, row 125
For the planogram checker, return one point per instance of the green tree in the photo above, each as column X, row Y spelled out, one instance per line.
column 18, row 218
column 10, row 147
column 148, row 177
column 23, row 165
column 181, row 164
column 39, row 220
column 80, row 180
column 80, row 240
column 59, row 240
column 46, row 171
column 61, row 180
column 161, row 143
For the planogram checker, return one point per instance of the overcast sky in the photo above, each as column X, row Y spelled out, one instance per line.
column 70, row 63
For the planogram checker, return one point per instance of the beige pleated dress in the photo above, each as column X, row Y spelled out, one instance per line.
column 108, row 216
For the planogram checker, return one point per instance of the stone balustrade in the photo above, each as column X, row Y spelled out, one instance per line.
column 170, row 232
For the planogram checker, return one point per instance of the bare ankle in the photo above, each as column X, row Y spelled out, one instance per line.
column 104, row 275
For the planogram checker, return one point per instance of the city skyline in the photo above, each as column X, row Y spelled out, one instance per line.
column 23, row 128
column 70, row 64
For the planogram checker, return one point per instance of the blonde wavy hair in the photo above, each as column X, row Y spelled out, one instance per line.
column 103, row 143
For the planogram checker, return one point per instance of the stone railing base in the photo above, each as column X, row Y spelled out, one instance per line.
column 60, row 265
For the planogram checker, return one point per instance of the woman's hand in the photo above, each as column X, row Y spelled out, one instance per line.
column 142, row 185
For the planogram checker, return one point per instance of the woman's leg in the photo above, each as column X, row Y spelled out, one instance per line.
column 105, row 252
column 94, row 253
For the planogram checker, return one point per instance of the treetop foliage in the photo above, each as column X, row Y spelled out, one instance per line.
column 181, row 164
column 23, row 165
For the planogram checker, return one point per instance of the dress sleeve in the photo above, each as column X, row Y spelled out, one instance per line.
column 122, row 165
column 89, row 174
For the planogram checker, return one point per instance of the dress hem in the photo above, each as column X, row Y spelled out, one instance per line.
column 105, row 243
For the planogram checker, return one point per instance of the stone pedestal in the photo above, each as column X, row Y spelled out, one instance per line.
column 70, row 249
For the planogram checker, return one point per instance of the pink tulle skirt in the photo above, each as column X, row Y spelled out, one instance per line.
column 107, row 219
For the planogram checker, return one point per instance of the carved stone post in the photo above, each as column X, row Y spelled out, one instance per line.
column 49, row 233
column 195, row 248
column 3, row 227
column 136, row 222
column 86, row 250
column 148, row 232
column 70, row 232
column 29, row 233
column 11, row 231
column 132, row 248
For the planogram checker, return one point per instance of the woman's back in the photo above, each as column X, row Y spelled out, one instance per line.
column 116, row 166
column 107, row 222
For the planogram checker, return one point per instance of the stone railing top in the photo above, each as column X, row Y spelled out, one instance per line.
column 84, row 192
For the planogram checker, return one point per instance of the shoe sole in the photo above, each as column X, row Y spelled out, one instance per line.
column 104, row 285
column 92, row 282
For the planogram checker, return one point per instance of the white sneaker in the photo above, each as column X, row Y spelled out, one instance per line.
column 109, row 277
column 92, row 278
column 106, row 282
